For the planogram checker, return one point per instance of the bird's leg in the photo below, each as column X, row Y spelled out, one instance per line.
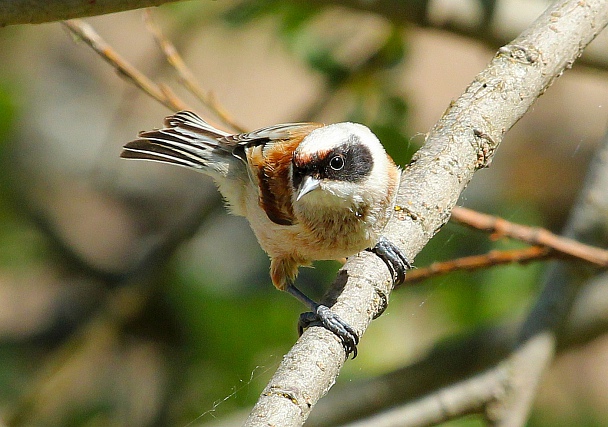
column 394, row 259
column 322, row 315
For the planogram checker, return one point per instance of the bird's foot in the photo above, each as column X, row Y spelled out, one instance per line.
column 323, row 316
column 394, row 259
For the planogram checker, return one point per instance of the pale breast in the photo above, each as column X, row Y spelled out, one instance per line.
column 328, row 237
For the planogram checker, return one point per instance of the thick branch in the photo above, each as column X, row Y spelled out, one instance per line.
column 38, row 11
column 463, row 141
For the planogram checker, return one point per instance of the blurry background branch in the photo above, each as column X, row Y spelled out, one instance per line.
column 493, row 22
column 540, row 333
column 38, row 11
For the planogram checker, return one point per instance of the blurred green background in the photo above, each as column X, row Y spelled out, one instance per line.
column 128, row 297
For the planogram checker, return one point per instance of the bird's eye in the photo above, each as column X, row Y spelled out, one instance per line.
column 336, row 163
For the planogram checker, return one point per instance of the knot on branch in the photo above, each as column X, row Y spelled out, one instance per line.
column 380, row 302
column 519, row 53
column 293, row 395
column 402, row 213
column 485, row 147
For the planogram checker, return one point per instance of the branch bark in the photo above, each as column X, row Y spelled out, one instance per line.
column 462, row 142
column 37, row 11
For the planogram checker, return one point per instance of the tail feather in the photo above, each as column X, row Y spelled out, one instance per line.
column 189, row 121
column 187, row 140
column 143, row 149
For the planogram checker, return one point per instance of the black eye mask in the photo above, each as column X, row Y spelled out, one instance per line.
column 349, row 162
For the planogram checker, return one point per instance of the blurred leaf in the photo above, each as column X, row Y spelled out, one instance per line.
column 293, row 19
column 8, row 110
column 322, row 61
column 392, row 52
column 247, row 11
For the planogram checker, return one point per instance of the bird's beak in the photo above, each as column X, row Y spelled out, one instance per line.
column 307, row 185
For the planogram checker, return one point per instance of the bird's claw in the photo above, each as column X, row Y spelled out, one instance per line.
column 323, row 316
column 394, row 259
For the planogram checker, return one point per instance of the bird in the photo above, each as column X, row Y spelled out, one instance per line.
column 309, row 192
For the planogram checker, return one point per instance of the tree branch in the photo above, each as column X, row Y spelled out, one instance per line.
column 562, row 317
column 462, row 142
column 478, row 262
column 186, row 77
column 466, row 397
column 161, row 93
column 38, row 11
column 546, row 244
column 533, row 235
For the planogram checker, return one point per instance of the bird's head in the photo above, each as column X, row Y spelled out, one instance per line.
column 341, row 165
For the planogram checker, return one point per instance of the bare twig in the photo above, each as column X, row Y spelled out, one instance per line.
column 86, row 33
column 186, row 76
column 546, row 244
column 477, row 262
column 532, row 235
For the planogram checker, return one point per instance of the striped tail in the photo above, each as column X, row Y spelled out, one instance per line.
column 186, row 140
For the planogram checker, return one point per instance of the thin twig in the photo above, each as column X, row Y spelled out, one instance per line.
column 546, row 244
column 532, row 235
column 477, row 262
column 186, row 77
column 86, row 33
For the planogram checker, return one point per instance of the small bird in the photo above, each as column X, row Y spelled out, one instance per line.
column 309, row 191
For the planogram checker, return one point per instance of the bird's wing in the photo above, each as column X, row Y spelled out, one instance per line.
column 268, row 153
column 268, row 138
